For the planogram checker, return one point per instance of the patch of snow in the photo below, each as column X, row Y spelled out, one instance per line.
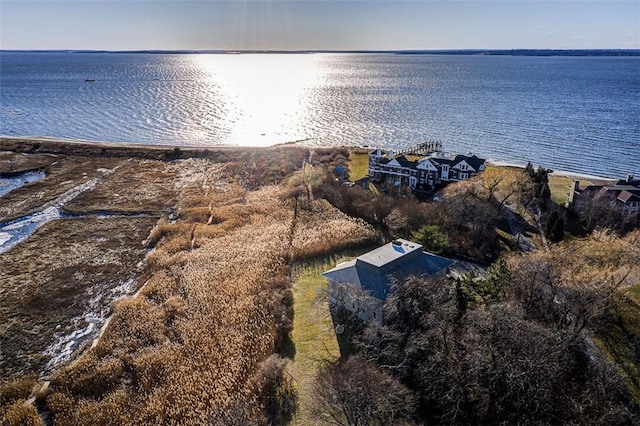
column 4, row 237
column 22, row 228
column 86, row 326
column 8, row 184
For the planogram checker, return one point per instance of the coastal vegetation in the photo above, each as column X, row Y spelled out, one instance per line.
column 214, row 305
column 225, row 320
column 545, row 337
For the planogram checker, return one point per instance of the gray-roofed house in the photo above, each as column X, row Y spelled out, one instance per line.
column 422, row 172
column 625, row 192
column 361, row 285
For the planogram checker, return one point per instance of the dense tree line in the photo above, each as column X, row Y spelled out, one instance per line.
column 513, row 347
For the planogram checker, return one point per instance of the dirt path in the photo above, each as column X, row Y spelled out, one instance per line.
column 522, row 240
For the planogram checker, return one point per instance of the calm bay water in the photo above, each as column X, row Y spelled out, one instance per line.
column 579, row 114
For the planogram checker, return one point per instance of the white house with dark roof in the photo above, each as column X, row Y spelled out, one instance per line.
column 361, row 285
column 423, row 172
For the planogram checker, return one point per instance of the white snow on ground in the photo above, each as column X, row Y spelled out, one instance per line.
column 22, row 228
column 8, row 184
column 19, row 230
column 86, row 326
column 4, row 237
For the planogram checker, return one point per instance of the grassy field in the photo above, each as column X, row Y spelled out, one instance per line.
column 559, row 186
column 313, row 335
column 358, row 166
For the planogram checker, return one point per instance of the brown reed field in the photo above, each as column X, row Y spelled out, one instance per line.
column 192, row 347
column 201, row 342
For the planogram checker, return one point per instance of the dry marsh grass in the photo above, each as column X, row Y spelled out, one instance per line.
column 197, row 344
column 322, row 228
column 11, row 162
column 21, row 414
column 48, row 280
column 195, row 339
column 138, row 185
column 192, row 347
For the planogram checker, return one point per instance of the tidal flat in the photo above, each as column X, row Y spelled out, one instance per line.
column 72, row 242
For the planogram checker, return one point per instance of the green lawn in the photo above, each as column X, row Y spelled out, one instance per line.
column 559, row 186
column 358, row 166
column 313, row 335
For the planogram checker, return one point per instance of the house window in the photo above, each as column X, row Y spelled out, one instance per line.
column 463, row 176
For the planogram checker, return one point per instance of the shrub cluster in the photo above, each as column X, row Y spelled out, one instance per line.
column 518, row 346
column 467, row 215
column 255, row 168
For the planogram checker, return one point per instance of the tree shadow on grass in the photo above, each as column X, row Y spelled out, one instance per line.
column 287, row 347
column 347, row 326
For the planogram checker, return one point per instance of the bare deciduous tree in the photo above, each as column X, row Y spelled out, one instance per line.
column 355, row 392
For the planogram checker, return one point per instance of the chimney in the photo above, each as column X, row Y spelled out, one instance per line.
column 574, row 189
column 629, row 178
column 391, row 154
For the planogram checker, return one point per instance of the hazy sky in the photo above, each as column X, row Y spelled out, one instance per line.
column 330, row 24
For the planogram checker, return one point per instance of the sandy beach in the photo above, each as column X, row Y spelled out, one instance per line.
column 557, row 173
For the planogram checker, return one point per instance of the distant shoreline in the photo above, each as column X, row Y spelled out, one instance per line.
column 563, row 173
column 461, row 52
column 32, row 145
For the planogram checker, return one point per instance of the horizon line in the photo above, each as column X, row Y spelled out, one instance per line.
column 486, row 51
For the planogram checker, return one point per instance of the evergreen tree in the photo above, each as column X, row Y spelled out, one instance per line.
column 529, row 170
column 431, row 238
column 554, row 226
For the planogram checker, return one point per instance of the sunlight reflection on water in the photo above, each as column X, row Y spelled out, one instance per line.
column 576, row 114
column 270, row 98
